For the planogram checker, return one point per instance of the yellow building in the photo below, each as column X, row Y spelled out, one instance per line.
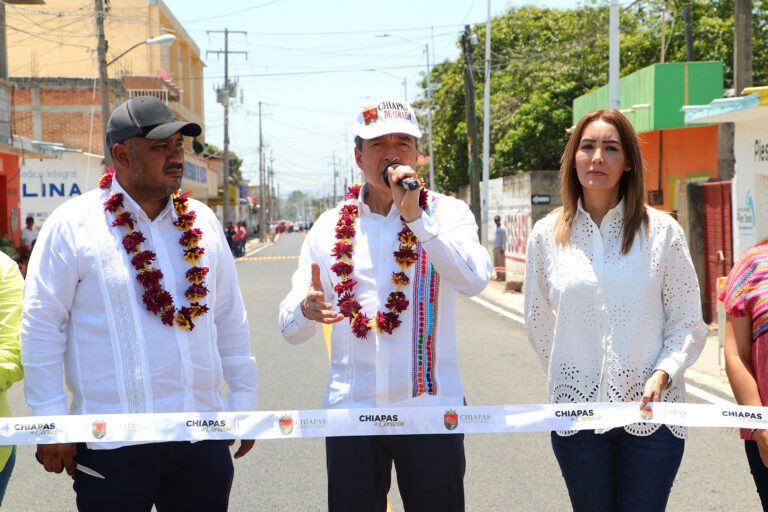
column 58, row 39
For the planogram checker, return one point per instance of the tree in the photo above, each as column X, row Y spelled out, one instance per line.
column 542, row 59
column 299, row 203
column 235, row 162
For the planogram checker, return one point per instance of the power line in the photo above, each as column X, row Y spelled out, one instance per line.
column 233, row 13
column 311, row 109
column 353, row 32
column 86, row 8
column 60, row 43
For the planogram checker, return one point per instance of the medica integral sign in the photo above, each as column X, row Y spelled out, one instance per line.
column 47, row 183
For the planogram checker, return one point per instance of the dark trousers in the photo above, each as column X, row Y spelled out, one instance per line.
column 617, row 471
column 5, row 474
column 759, row 471
column 430, row 472
column 174, row 476
column 499, row 263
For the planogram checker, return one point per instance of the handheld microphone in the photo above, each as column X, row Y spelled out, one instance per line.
column 407, row 183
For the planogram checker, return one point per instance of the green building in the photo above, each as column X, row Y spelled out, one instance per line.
column 652, row 98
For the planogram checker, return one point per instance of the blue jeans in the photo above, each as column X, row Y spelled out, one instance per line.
column 5, row 474
column 617, row 471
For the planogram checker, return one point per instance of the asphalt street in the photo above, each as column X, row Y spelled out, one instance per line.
column 505, row 472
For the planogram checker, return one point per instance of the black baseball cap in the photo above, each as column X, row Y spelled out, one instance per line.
column 147, row 117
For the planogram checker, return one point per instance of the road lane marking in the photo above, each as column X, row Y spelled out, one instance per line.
column 693, row 390
column 255, row 258
column 497, row 309
column 706, row 396
column 327, row 330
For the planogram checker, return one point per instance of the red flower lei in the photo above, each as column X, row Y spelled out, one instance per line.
column 405, row 257
column 156, row 298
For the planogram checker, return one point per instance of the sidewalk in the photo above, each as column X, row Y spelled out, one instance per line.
column 707, row 372
column 253, row 243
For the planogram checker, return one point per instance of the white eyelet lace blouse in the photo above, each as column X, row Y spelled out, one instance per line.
column 602, row 322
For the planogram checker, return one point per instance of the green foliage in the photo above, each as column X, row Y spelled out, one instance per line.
column 235, row 162
column 542, row 59
column 298, row 203
column 6, row 246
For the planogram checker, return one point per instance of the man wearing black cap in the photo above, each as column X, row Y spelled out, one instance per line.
column 133, row 291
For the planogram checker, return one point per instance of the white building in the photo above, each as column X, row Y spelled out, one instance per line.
column 749, row 189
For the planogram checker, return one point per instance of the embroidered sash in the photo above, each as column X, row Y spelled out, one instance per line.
column 122, row 314
column 426, row 289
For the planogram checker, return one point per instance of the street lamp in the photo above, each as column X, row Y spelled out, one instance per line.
column 103, row 78
column 163, row 39
column 429, row 110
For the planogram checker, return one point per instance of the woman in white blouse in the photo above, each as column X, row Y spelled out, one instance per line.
column 612, row 309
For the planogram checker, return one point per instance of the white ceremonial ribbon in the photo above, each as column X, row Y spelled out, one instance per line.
column 368, row 422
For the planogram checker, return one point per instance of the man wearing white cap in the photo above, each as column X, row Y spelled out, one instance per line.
column 385, row 267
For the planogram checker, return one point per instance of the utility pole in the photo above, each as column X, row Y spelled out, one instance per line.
column 690, row 56
column 262, row 219
column 432, row 183
column 468, row 42
column 3, row 45
column 223, row 95
column 271, row 187
column 335, row 175
column 486, row 128
column 613, row 57
column 742, row 45
column 101, row 49
column 663, row 30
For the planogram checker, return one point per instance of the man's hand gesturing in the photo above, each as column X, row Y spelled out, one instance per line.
column 314, row 306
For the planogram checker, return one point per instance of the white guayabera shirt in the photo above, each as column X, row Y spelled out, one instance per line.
column 384, row 370
column 83, row 309
column 601, row 322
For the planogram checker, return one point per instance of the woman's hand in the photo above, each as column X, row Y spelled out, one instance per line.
column 653, row 387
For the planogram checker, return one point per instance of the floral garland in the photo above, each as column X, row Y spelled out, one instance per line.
column 156, row 298
column 405, row 257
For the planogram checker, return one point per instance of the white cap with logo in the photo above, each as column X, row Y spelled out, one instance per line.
column 385, row 115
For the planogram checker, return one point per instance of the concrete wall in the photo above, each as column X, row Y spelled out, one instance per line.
column 510, row 198
column 5, row 112
column 63, row 110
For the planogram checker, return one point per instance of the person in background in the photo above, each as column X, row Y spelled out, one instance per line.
column 230, row 234
column 744, row 296
column 499, row 243
column 612, row 309
column 28, row 233
column 11, row 299
column 242, row 237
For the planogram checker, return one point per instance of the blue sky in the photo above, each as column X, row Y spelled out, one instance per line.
column 312, row 63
